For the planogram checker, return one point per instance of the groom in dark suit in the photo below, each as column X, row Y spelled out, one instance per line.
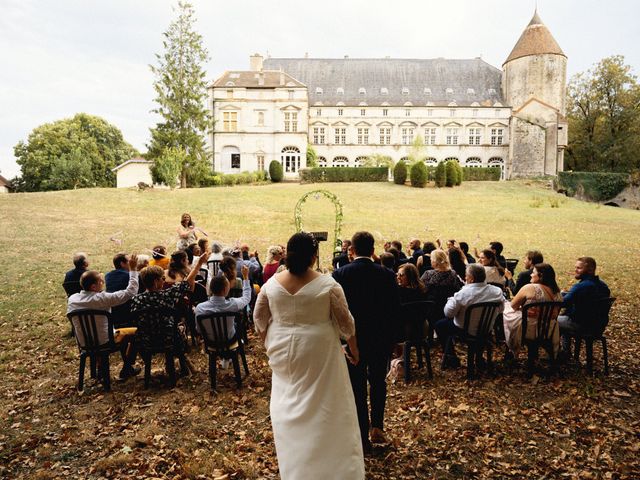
column 372, row 294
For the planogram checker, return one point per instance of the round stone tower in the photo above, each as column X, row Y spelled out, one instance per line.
column 536, row 68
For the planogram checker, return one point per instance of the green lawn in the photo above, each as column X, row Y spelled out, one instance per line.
column 46, row 426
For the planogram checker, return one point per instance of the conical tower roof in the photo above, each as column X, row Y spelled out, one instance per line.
column 535, row 40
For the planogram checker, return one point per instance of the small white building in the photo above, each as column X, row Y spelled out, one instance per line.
column 132, row 172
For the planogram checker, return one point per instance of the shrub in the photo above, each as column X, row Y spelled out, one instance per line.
column 275, row 171
column 440, row 175
column 480, row 173
column 418, row 175
column 261, row 176
column 344, row 174
column 451, row 174
column 229, row 179
column 596, row 186
column 458, row 173
column 400, row 173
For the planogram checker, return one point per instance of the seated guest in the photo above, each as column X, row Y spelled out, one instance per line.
column 72, row 277
column 497, row 248
column 152, row 326
column 532, row 257
column 588, row 288
column 398, row 246
column 388, row 261
column 253, row 264
column 464, row 246
column 410, row 287
column 424, row 262
column 159, row 257
column 118, row 278
column 193, row 253
column 416, row 251
column 494, row 271
column 542, row 288
column 458, row 260
column 274, row 255
column 228, row 267
column 342, row 259
column 218, row 302
column 440, row 282
column 476, row 290
column 178, row 268
column 143, row 261
column 91, row 297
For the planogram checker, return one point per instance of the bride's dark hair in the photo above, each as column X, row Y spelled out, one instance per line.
column 301, row 248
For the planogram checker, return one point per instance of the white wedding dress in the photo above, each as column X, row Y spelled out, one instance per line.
column 313, row 413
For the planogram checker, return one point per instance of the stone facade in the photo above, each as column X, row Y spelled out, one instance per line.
column 349, row 109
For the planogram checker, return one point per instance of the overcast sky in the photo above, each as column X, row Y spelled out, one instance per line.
column 61, row 57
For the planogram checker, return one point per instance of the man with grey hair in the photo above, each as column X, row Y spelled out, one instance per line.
column 476, row 290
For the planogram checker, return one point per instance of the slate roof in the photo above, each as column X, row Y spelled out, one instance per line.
column 469, row 80
column 251, row 79
column 535, row 40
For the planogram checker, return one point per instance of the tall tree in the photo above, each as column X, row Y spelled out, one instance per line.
column 604, row 118
column 75, row 152
column 181, row 91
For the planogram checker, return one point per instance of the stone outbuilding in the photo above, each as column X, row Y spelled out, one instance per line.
column 5, row 185
column 132, row 172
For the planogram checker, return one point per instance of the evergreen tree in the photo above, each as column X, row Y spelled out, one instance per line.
column 400, row 173
column 275, row 171
column 418, row 174
column 441, row 175
column 181, row 90
column 451, row 174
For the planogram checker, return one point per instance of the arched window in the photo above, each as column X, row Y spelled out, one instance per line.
column 340, row 162
column 360, row 161
column 322, row 162
column 290, row 159
column 473, row 162
column 405, row 159
column 497, row 162
column 230, row 157
column 431, row 161
column 451, row 159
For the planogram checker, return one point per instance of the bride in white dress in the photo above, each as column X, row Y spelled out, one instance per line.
column 301, row 316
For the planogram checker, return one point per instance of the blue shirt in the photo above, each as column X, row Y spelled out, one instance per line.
column 217, row 304
column 590, row 287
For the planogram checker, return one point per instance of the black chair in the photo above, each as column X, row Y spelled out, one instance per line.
column 71, row 287
column 415, row 315
column 244, row 322
column 512, row 263
column 593, row 318
column 546, row 316
column 438, row 294
column 203, row 276
column 214, row 267
column 483, row 315
column 152, row 342
column 214, row 331
column 93, row 331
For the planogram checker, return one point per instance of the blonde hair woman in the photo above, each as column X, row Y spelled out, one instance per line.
column 274, row 255
column 441, row 282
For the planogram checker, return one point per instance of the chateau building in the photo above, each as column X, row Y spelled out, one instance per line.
column 348, row 109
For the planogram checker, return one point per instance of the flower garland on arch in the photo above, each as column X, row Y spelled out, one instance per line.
column 338, row 216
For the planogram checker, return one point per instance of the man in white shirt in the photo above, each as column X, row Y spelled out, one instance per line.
column 476, row 290
column 92, row 297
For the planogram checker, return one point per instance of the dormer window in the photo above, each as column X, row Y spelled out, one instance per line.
column 384, row 91
column 405, row 91
column 427, row 91
column 471, row 91
column 234, row 75
column 362, row 91
column 230, row 84
column 449, row 91
column 340, row 91
column 491, row 91
column 318, row 91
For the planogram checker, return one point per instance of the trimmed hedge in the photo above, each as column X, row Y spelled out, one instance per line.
column 450, row 168
column 458, row 174
column 480, row 174
column 275, row 171
column 400, row 173
column 229, row 179
column 344, row 174
column 418, row 175
column 596, row 186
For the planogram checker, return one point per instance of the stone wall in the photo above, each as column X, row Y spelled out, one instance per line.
column 527, row 148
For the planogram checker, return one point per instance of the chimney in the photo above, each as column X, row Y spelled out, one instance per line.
column 255, row 62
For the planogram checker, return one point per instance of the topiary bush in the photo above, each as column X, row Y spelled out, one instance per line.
column 400, row 173
column 596, row 186
column 458, row 173
column 275, row 171
column 440, row 176
column 451, row 174
column 344, row 174
column 418, row 175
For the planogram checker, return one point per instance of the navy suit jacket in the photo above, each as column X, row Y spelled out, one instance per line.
column 372, row 295
column 116, row 280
